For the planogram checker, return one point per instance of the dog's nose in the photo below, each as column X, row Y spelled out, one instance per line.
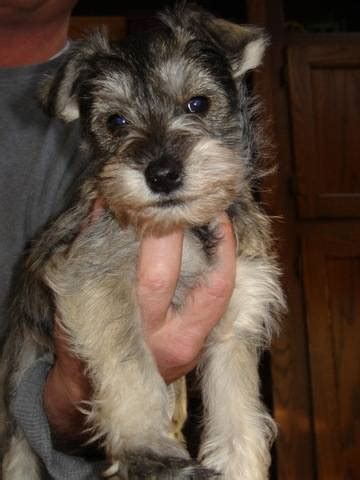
column 163, row 175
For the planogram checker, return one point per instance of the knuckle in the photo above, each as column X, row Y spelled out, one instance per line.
column 157, row 281
column 187, row 353
column 221, row 287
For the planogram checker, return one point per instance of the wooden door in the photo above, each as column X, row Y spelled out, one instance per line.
column 324, row 88
column 331, row 258
column 324, row 79
column 311, row 86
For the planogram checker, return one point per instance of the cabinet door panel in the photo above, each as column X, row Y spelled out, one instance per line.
column 324, row 84
column 332, row 289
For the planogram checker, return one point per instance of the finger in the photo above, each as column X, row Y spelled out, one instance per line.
column 158, row 269
column 171, row 373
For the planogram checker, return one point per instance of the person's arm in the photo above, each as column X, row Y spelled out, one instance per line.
column 175, row 338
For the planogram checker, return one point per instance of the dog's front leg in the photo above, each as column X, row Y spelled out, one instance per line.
column 130, row 404
column 129, row 410
column 238, row 430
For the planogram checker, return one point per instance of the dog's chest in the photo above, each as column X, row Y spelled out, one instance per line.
column 105, row 253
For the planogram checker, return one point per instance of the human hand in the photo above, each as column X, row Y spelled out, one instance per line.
column 67, row 385
column 176, row 338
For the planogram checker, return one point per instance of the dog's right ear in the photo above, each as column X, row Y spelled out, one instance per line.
column 59, row 93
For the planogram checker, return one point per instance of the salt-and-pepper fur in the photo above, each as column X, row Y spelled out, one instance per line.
column 86, row 269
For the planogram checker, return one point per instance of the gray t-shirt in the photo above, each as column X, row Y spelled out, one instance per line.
column 39, row 161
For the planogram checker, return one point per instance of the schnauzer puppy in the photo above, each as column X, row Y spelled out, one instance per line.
column 173, row 142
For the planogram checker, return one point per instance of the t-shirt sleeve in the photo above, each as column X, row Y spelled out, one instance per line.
column 27, row 408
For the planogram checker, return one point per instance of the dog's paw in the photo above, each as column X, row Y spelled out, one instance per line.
column 167, row 468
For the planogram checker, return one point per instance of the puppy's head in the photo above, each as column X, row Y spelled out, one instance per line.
column 166, row 116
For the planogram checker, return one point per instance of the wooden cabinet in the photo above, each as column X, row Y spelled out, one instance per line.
column 324, row 80
column 311, row 86
column 331, row 259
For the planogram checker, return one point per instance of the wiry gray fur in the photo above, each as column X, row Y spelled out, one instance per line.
column 165, row 167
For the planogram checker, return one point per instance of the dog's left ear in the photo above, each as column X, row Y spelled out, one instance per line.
column 243, row 45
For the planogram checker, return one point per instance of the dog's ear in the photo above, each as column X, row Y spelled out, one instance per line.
column 59, row 93
column 243, row 45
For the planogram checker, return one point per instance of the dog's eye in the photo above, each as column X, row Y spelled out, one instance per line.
column 116, row 121
column 197, row 105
